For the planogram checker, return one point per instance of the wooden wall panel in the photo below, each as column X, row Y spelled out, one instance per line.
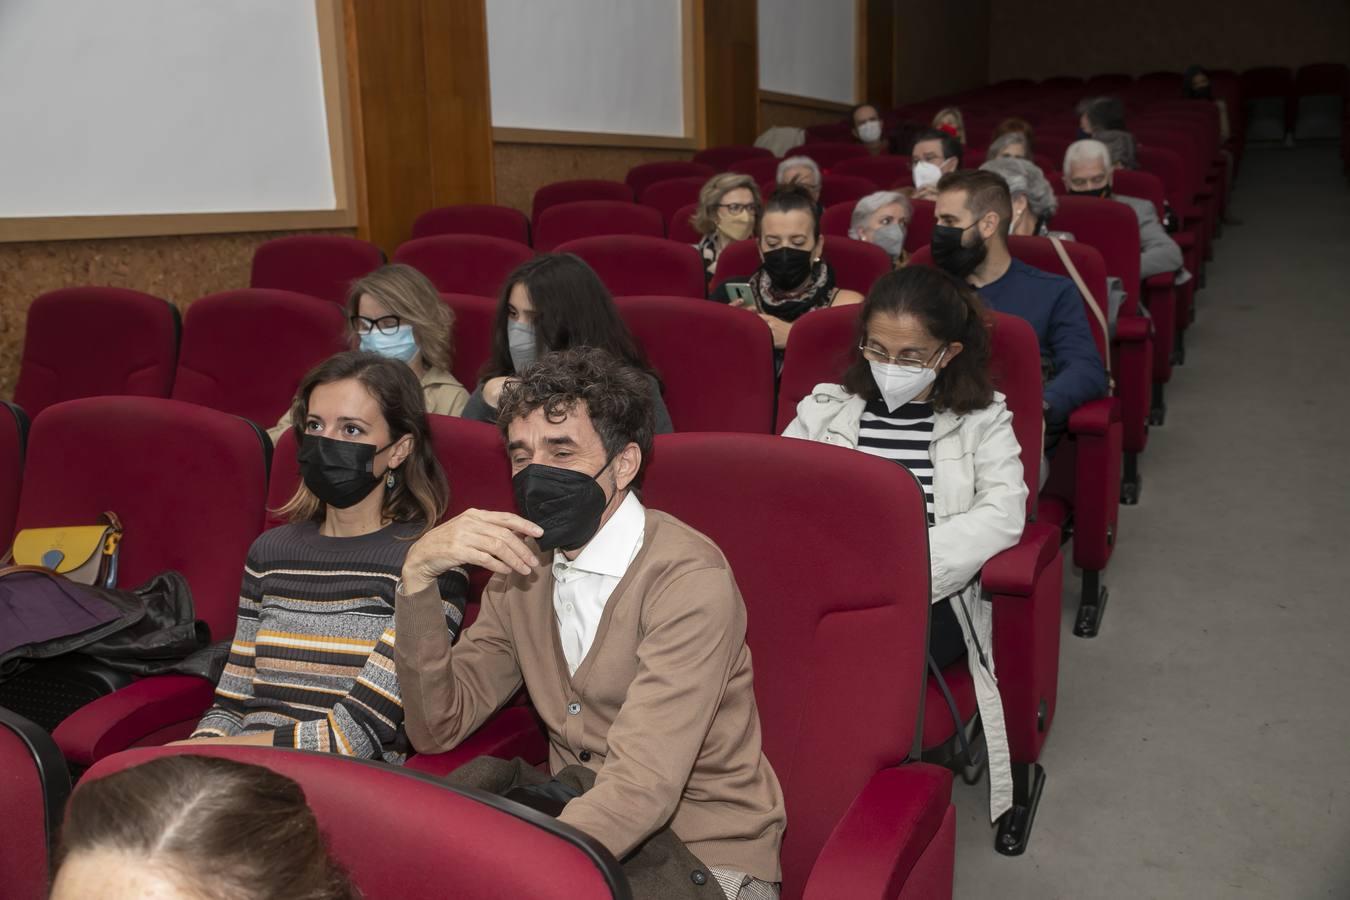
column 878, row 52
column 730, row 78
column 776, row 110
column 458, row 101
column 941, row 47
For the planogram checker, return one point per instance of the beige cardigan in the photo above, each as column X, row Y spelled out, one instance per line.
column 445, row 396
column 663, row 705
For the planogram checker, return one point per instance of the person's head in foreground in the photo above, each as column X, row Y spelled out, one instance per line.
column 803, row 171
column 973, row 211
column 882, row 218
column 194, row 828
column 1033, row 200
column 1087, row 169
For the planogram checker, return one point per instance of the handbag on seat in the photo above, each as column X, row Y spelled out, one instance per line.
column 85, row 554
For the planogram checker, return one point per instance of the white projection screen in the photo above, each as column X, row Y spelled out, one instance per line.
column 809, row 48
column 608, row 66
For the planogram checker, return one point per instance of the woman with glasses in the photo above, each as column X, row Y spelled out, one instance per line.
column 918, row 392
column 396, row 312
column 728, row 206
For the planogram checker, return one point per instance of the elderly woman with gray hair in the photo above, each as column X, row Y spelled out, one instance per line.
column 883, row 218
column 1033, row 200
column 801, row 170
column 1010, row 144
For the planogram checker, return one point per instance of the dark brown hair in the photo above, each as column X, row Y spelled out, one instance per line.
column 791, row 198
column 420, row 492
column 222, row 828
column 948, row 310
column 1019, row 125
column 985, row 192
column 618, row 398
column 411, row 296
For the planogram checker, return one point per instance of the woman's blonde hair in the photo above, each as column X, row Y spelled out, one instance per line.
column 955, row 115
column 704, row 219
column 408, row 294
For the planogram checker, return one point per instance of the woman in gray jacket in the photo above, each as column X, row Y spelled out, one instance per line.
column 918, row 392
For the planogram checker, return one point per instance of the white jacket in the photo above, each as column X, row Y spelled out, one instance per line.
column 979, row 506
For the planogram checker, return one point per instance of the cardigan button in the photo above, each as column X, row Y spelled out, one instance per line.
column 584, row 756
column 698, row 876
column 573, row 709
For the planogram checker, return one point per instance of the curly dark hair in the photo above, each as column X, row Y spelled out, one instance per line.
column 617, row 397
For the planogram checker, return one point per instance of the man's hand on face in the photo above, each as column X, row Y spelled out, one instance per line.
column 475, row 537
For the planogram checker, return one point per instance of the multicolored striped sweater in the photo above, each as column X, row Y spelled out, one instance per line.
column 313, row 653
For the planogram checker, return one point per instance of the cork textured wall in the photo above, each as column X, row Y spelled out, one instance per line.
column 524, row 168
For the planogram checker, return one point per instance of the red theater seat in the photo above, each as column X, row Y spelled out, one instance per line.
column 636, row 265
column 884, row 171
column 464, row 263
column 589, row 218
column 758, row 168
column 1148, row 186
column 34, row 785
column 474, row 218
column 836, row 219
column 321, row 265
column 856, row 264
column 828, row 154
column 583, row 189
column 844, row 188
column 681, row 227
column 670, row 195
column 244, row 352
column 126, row 343
column 471, row 335
column 720, row 158
column 13, row 445
column 640, row 176
column 920, row 230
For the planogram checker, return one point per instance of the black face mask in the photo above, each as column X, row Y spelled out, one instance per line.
column 340, row 473
column 1082, row 135
column 1103, row 191
column 788, row 267
column 566, row 503
column 954, row 256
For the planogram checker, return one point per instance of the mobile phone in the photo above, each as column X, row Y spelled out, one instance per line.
column 740, row 291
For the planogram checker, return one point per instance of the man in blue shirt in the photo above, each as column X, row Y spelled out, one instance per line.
column 970, row 241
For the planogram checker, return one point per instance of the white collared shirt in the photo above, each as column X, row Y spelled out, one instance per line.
column 581, row 587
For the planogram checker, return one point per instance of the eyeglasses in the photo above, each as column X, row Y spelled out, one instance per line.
column 737, row 208
column 384, row 324
column 872, row 354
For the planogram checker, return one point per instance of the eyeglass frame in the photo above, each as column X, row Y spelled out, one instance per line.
column 751, row 207
column 907, row 362
column 373, row 325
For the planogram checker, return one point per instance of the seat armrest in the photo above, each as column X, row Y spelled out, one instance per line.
column 1132, row 328
column 1094, row 417
column 1161, row 282
column 1016, row 570
column 119, row 720
column 874, row 847
column 515, row 731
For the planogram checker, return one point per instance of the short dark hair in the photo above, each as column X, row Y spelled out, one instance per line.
column 853, row 113
column 985, row 192
column 950, row 311
column 950, row 145
column 791, row 198
column 572, row 308
column 618, row 398
column 1103, row 113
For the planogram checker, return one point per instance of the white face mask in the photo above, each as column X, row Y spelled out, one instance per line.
column 925, row 174
column 869, row 132
column 901, row 384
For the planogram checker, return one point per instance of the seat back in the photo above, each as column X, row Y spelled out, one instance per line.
column 1039, row 253
column 244, row 352
column 856, row 264
column 885, row 171
column 920, row 230
column 818, row 351
column 1170, row 168
column 589, row 218
column 464, row 263
column 1106, row 83
column 644, row 174
column 720, row 158
column 1015, row 366
column 188, row 483
column 670, row 194
column 1113, row 229
column 839, row 660
column 34, row 785
column 579, row 189
column 681, row 227
column 836, row 219
column 375, row 819
column 829, row 153
column 13, row 444
column 126, row 343
column 474, row 218
column 471, row 343
column 1144, row 185
column 321, row 265
column 844, row 188
column 639, row 265
column 715, row 363
column 759, row 168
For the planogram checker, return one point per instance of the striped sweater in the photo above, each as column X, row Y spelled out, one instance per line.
column 313, row 654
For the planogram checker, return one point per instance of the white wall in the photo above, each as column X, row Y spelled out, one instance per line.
column 808, row 48
column 587, row 65
column 161, row 106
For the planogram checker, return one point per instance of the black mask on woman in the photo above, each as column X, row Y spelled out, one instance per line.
column 566, row 503
column 951, row 254
column 340, row 473
column 788, row 267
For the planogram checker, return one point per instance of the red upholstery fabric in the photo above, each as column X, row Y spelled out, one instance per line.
column 515, row 731
column 188, row 483
column 857, row 265
column 125, row 718
column 474, row 218
column 640, row 176
column 13, row 442
column 1015, row 364
column 321, row 265
column 581, row 189
column 715, row 363
column 1105, row 84
column 838, row 662
column 839, row 131
column 464, row 263
column 34, row 785
column 471, row 334
column 126, row 343
column 681, row 227
column 1322, row 78
column 938, row 724
column 244, row 352
column 920, row 230
column 829, row 153
column 818, row 351
column 639, row 265
column 1113, row 230
column 588, row 218
column 883, row 171
column 931, row 878
column 669, row 195
column 836, row 219
column 759, row 168
column 844, row 188
column 480, row 848
column 721, row 158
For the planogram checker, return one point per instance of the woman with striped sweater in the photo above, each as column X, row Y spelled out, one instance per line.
column 312, row 662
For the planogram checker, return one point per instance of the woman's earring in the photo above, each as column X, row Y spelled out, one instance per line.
column 389, row 480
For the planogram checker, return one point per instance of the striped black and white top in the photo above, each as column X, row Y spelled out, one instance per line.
column 903, row 436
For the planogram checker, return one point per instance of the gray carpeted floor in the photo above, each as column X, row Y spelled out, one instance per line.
column 1201, row 746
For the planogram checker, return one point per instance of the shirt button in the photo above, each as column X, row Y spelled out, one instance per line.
column 573, row 709
column 698, row 876
column 584, row 756
column 567, row 607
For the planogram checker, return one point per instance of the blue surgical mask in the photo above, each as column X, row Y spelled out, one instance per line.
column 522, row 345
column 400, row 345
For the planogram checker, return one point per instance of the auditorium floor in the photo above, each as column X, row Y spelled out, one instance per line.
column 1201, row 746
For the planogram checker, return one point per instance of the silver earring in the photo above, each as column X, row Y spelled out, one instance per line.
column 389, row 480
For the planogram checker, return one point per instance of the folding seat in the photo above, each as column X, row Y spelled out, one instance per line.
column 1196, row 127
column 582, row 189
column 126, row 343
column 1268, row 93
column 920, row 230
column 844, row 188
column 715, row 363
column 13, row 443
column 1322, row 94
column 758, row 168
column 321, row 265
column 634, row 264
column 640, row 176
column 885, row 171
column 1172, row 169
column 464, row 263
column 857, row 265
column 1147, row 186
column 1046, row 163
column 33, row 791
column 669, row 195
column 188, row 484
column 392, row 830
column 840, row 131
column 681, row 227
column 828, row 154
column 722, row 157
column 1163, row 83
column 1106, row 84
column 588, row 218
column 836, row 219
column 471, row 333
column 474, row 218
column 244, row 352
